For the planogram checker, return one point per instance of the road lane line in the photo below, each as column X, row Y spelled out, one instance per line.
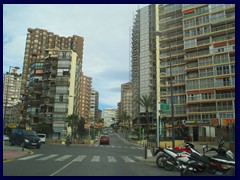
column 111, row 159
column 95, row 159
column 127, row 159
column 31, row 157
column 63, row 158
column 47, row 157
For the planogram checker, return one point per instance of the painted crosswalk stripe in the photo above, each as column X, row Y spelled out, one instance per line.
column 120, row 146
column 79, row 158
column 113, row 146
column 111, row 159
column 125, row 147
column 127, row 159
column 31, row 157
column 63, row 158
column 47, row 157
column 133, row 148
column 139, row 157
column 95, row 159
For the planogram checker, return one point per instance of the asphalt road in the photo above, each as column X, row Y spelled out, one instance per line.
column 120, row 158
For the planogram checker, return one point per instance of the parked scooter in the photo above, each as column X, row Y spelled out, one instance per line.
column 170, row 158
column 221, row 164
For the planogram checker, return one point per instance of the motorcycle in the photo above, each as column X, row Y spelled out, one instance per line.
column 221, row 164
column 68, row 142
column 169, row 158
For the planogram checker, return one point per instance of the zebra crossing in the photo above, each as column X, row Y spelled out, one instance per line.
column 81, row 158
column 121, row 147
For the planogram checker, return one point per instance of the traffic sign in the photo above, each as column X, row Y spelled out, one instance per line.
column 164, row 107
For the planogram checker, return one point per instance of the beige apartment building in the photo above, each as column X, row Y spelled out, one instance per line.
column 47, row 57
column 194, row 54
column 85, row 90
column 11, row 95
column 126, row 99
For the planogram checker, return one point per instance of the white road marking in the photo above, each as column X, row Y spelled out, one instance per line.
column 79, row 158
column 31, row 157
column 63, row 158
column 139, row 157
column 111, row 159
column 95, row 159
column 127, row 159
column 47, row 157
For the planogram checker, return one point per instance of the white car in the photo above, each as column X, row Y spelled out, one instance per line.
column 5, row 138
column 42, row 137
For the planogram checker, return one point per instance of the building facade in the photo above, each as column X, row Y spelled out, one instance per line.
column 44, row 63
column 85, row 90
column 94, row 103
column 11, row 95
column 194, row 54
column 126, row 100
column 109, row 116
column 143, row 63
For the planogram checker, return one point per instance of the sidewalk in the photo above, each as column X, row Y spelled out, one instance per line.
column 12, row 152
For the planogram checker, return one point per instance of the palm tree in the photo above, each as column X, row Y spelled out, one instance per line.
column 125, row 118
column 146, row 102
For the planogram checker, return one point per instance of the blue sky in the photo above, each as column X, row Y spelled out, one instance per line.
column 104, row 27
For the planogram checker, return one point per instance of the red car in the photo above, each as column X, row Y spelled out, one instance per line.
column 104, row 140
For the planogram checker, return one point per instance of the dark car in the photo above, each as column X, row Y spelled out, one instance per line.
column 24, row 137
column 104, row 140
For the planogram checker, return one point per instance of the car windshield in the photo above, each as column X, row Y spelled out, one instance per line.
column 30, row 133
column 41, row 135
column 104, row 137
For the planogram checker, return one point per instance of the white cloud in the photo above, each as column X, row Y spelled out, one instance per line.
column 104, row 27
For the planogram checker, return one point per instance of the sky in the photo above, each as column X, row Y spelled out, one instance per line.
column 106, row 29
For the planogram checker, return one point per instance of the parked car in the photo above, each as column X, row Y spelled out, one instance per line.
column 24, row 137
column 5, row 138
column 42, row 137
column 104, row 140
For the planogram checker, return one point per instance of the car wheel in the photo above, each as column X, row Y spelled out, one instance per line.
column 38, row 147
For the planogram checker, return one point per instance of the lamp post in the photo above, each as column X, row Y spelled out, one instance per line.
column 6, row 101
column 171, row 89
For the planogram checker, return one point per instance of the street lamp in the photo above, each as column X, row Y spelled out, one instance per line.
column 171, row 89
column 6, row 101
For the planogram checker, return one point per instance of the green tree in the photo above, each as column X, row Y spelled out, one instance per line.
column 73, row 121
column 125, row 118
column 146, row 102
column 44, row 128
column 81, row 129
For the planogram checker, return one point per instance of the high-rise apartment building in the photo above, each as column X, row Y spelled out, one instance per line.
column 94, row 101
column 195, row 65
column 85, row 90
column 41, row 70
column 126, row 99
column 109, row 116
column 59, row 86
column 11, row 95
column 143, row 74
